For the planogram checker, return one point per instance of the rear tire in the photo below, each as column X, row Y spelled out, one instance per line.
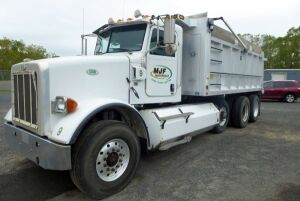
column 241, row 112
column 254, row 108
column 290, row 98
column 223, row 118
column 105, row 158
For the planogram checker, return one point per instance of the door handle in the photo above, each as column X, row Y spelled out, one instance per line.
column 172, row 88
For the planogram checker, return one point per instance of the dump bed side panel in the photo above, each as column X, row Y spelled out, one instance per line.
column 215, row 64
column 232, row 70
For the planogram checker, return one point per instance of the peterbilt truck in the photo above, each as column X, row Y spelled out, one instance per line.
column 154, row 82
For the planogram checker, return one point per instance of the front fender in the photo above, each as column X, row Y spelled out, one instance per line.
column 67, row 129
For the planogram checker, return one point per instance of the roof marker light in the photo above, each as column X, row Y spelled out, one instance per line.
column 111, row 20
column 137, row 13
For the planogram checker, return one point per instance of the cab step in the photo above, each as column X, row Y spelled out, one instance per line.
column 167, row 146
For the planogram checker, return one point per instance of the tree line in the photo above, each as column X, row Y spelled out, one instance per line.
column 280, row 52
column 15, row 51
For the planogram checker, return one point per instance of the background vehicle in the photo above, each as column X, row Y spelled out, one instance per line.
column 287, row 90
column 153, row 83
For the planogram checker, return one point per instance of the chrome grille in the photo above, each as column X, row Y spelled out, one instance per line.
column 25, row 98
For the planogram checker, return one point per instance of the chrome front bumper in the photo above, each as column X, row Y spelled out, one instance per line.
column 43, row 152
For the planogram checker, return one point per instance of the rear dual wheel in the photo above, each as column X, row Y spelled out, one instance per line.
column 241, row 112
column 245, row 110
column 254, row 108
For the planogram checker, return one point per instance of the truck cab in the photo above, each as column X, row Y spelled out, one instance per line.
column 138, row 41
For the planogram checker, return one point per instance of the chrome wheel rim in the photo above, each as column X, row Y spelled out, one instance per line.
column 223, row 116
column 112, row 160
column 255, row 108
column 245, row 113
column 290, row 98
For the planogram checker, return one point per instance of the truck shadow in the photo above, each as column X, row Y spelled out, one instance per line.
column 287, row 192
column 34, row 183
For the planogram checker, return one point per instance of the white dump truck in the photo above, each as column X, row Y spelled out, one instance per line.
column 153, row 82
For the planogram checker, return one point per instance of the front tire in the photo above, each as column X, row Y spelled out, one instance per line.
column 105, row 158
column 241, row 112
column 290, row 98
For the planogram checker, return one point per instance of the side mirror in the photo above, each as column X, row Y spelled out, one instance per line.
column 169, row 35
column 169, row 30
column 170, row 49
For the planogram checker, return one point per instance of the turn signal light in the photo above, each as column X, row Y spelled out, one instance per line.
column 63, row 105
column 71, row 105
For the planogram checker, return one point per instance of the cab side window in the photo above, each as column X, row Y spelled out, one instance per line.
column 158, row 51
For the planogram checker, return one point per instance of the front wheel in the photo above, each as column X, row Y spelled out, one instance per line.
column 105, row 158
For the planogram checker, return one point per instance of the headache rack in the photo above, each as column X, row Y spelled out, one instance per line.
column 25, row 99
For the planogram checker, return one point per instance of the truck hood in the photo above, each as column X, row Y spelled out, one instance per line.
column 80, row 78
column 64, row 76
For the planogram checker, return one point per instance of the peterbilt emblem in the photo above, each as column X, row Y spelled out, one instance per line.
column 92, row 72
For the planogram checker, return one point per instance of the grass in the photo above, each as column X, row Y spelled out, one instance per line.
column 4, row 91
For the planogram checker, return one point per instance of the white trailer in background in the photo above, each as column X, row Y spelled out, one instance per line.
column 154, row 82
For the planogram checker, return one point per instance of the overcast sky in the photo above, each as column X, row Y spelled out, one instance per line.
column 57, row 24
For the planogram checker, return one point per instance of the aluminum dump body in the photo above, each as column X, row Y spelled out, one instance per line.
column 214, row 63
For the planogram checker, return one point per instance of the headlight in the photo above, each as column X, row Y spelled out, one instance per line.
column 63, row 104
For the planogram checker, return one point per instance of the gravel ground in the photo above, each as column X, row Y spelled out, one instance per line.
column 260, row 162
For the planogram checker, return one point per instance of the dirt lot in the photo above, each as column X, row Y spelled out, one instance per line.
column 261, row 162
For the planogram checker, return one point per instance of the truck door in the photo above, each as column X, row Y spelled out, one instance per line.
column 161, row 69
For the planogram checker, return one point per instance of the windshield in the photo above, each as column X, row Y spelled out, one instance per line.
column 121, row 39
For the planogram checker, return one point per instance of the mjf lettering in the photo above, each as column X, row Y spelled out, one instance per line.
column 159, row 71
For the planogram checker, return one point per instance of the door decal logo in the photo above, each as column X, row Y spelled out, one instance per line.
column 161, row 74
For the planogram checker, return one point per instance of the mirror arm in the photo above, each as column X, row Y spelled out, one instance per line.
column 157, row 34
column 150, row 50
column 154, row 48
